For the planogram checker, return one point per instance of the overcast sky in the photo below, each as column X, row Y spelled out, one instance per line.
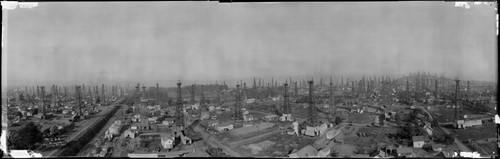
column 169, row 41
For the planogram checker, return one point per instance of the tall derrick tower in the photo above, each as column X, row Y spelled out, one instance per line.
column 79, row 99
column 287, row 111
column 296, row 90
column 238, row 113
column 312, row 114
column 156, row 94
column 179, row 122
column 202, row 100
column 43, row 101
column 457, row 92
column 333, row 108
column 193, row 93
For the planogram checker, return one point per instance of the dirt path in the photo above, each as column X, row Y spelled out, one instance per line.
column 255, row 138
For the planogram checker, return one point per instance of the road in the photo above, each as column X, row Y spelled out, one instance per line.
column 80, row 127
column 460, row 145
column 214, row 142
column 99, row 136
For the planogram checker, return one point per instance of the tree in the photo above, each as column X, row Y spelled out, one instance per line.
column 27, row 137
column 18, row 114
column 35, row 111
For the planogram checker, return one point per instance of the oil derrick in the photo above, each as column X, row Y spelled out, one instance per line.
column 254, row 84
column 156, row 94
column 38, row 91
column 83, row 93
column 90, row 93
column 312, row 114
column 54, row 94
column 436, row 92
column 238, row 113
column 144, row 92
column 270, row 92
column 244, row 94
column 180, row 106
column 202, row 100
column 96, row 88
column 342, row 81
column 260, row 83
column 273, row 83
column 103, row 96
column 333, row 107
column 65, row 91
column 468, row 90
column 286, row 108
column 457, row 91
column 42, row 89
column 287, row 111
column 296, row 90
column 193, row 93
column 78, row 93
column 218, row 91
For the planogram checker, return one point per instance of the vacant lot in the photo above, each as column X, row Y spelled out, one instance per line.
column 364, row 118
column 477, row 132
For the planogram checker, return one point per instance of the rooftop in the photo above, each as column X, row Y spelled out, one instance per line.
column 418, row 138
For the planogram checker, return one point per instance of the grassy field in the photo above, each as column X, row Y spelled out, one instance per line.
column 477, row 132
column 283, row 145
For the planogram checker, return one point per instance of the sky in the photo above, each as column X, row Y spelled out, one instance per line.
column 150, row 42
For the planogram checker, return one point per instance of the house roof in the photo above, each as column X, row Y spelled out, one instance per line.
column 404, row 150
column 197, row 153
column 166, row 136
column 440, row 155
column 224, row 124
column 418, row 138
column 307, row 151
column 139, row 155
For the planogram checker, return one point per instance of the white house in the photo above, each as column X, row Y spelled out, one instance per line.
column 167, row 140
column 467, row 123
column 224, row 127
column 418, row 141
column 251, row 100
column 248, row 117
